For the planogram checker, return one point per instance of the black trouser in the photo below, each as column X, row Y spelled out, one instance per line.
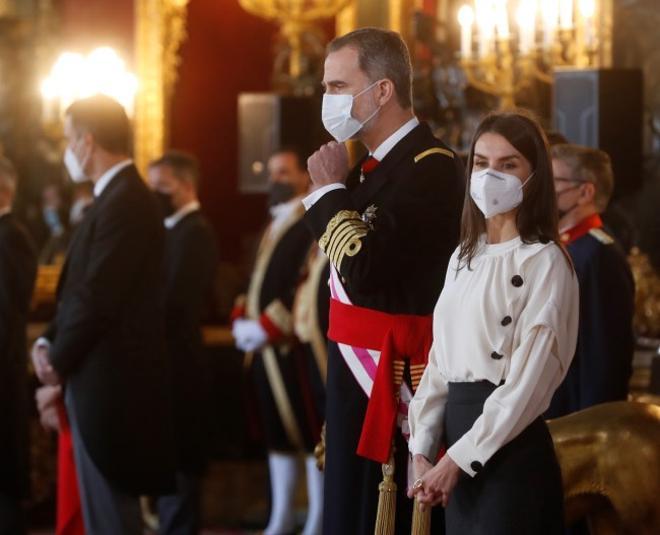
column 519, row 489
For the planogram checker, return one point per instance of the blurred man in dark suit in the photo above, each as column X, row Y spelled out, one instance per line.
column 191, row 260
column 105, row 344
column 18, row 269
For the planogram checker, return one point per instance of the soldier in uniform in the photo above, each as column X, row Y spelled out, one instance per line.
column 601, row 369
column 388, row 227
column 263, row 328
column 310, row 324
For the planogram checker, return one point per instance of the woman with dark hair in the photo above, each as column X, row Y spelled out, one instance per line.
column 504, row 331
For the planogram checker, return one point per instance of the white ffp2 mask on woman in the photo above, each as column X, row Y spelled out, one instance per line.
column 495, row 192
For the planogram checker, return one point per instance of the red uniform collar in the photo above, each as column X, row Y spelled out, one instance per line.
column 582, row 228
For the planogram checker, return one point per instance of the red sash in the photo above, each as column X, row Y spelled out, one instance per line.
column 397, row 337
column 69, row 509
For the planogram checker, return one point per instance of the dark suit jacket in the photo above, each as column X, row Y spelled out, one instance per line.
column 18, row 269
column 191, row 260
column 107, row 337
column 415, row 195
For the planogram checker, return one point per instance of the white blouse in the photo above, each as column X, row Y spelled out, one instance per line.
column 513, row 316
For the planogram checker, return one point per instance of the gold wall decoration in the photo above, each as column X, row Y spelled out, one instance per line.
column 294, row 17
column 647, row 295
column 394, row 15
column 160, row 28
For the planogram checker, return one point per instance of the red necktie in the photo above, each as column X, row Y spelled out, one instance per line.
column 368, row 166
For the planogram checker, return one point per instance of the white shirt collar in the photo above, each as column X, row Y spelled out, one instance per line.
column 280, row 213
column 386, row 146
column 5, row 211
column 107, row 177
column 173, row 220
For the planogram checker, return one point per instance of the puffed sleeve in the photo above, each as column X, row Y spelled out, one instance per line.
column 547, row 327
column 426, row 409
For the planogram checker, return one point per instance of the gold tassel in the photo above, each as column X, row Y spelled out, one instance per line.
column 319, row 451
column 386, row 500
column 421, row 521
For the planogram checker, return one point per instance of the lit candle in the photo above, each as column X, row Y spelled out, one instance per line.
column 550, row 16
column 485, row 26
column 466, row 19
column 526, row 18
column 566, row 14
column 587, row 9
column 502, row 19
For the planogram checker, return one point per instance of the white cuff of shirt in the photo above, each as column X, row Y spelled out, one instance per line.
column 41, row 341
column 425, row 445
column 466, row 456
column 309, row 201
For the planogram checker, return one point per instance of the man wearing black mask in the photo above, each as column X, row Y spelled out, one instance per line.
column 263, row 327
column 191, row 260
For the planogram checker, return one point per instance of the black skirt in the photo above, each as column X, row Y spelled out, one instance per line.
column 519, row 489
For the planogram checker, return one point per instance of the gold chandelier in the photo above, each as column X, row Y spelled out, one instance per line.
column 295, row 17
column 504, row 45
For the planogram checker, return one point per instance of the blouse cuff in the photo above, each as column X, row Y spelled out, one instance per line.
column 424, row 444
column 466, row 456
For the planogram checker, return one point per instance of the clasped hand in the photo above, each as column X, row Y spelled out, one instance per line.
column 328, row 165
column 433, row 484
column 42, row 366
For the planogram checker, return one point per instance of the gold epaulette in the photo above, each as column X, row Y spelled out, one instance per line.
column 601, row 236
column 343, row 236
column 434, row 150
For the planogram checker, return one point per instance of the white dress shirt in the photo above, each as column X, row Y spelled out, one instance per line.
column 383, row 149
column 107, row 177
column 514, row 317
column 280, row 213
column 173, row 220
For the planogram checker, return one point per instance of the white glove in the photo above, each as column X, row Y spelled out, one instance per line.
column 249, row 335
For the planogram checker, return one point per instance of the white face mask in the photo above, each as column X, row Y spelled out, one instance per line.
column 73, row 167
column 337, row 118
column 495, row 192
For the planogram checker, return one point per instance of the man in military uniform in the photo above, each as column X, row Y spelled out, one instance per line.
column 389, row 227
column 263, row 328
column 601, row 369
column 310, row 324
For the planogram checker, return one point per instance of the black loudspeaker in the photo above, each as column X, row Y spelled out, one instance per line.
column 603, row 108
column 268, row 122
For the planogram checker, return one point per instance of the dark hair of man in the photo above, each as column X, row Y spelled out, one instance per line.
column 537, row 218
column 184, row 166
column 105, row 119
column 588, row 165
column 300, row 156
column 7, row 174
column 555, row 137
column 382, row 54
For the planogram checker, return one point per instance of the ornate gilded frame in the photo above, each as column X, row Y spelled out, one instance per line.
column 160, row 28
